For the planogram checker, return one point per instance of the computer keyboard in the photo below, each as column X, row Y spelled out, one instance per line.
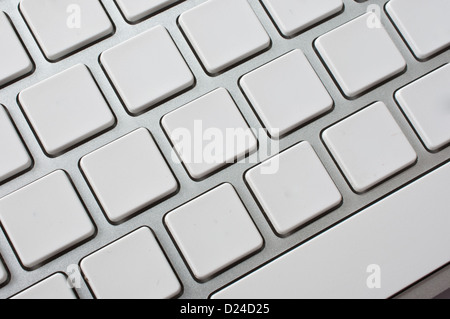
column 338, row 117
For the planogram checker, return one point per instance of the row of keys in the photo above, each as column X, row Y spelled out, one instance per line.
column 212, row 240
column 281, row 103
column 235, row 34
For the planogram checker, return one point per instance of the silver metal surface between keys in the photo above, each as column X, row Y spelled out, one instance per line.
column 153, row 217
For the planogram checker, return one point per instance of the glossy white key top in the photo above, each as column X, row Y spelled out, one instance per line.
column 209, row 133
column 286, row 93
column 293, row 188
column 54, row 287
column 44, row 219
column 66, row 109
column 294, row 16
column 395, row 243
column 128, row 175
column 423, row 24
column 426, row 104
column 213, row 232
column 133, row 267
column 369, row 147
column 15, row 158
column 64, row 26
column 233, row 34
column 360, row 55
column 14, row 59
column 147, row 69
column 3, row 274
column 135, row 10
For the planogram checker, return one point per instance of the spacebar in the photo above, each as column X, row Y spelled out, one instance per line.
column 376, row 253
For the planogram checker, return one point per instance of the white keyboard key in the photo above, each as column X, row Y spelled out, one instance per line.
column 209, row 133
column 369, row 147
column 49, row 206
column 128, row 175
column 3, row 274
column 360, row 55
column 133, row 267
column 14, row 59
column 423, row 24
column 234, row 33
column 15, row 158
column 213, row 232
column 426, row 104
column 66, row 110
column 286, row 93
column 54, row 287
column 65, row 26
column 294, row 16
column 399, row 240
column 136, row 10
column 147, row 69
column 293, row 188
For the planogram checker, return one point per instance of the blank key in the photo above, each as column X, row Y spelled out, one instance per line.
column 15, row 158
column 286, row 93
column 133, row 267
column 209, row 133
column 147, row 69
column 294, row 16
column 293, row 188
column 44, row 219
column 223, row 33
column 66, row 109
column 135, row 10
column 360, row 55
column 426, row 103
column 14, row 59
column 128, row 175
column 369, row 147
column 213, row 232
column 64, row 26
column 423, row 24
column 54, row 287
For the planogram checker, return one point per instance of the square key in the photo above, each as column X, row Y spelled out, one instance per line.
column 369, row 147
column 286, row 93
column 213, row 232
column 133, row 267
column 3, row 274
column 14, row 157
column 426, row 103
column 294, row 16
column 66, row 110
column 44, row 219
column 147, row 70
column 223, row 33
column 296, row 191
column 128, row 175
column 55, row 287
column 62, row 27
column 423, row 24
column 209, row 133
column 14, row 59
column 136, row 10
column 360, row 55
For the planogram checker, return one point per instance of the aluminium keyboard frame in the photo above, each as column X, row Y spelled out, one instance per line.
column 153, row 217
